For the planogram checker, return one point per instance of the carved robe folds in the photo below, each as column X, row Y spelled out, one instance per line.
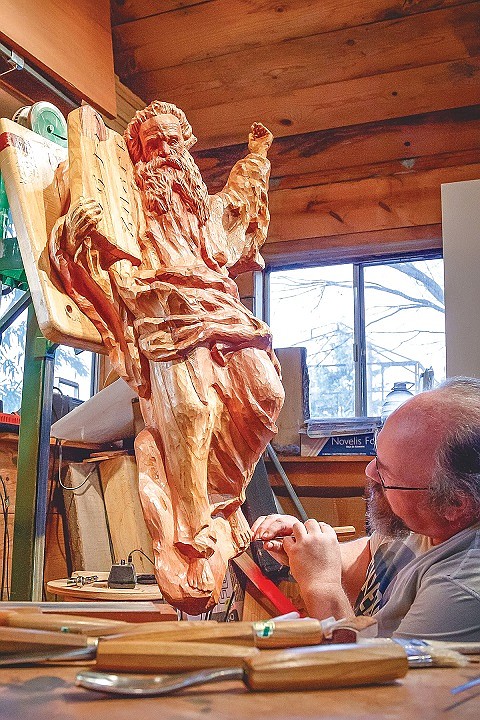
column 174, row 327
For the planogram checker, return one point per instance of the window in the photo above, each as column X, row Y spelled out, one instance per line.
column 365, row 326
column 74, row 369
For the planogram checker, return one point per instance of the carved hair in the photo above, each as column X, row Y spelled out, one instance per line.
column 457, row 467
column 157, row 107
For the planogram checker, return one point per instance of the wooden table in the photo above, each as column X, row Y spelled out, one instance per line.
column 49, row 693
column 100, row 591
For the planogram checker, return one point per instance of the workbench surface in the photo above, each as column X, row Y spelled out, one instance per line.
column 49, row 693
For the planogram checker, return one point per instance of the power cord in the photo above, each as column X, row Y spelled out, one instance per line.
column 130, row 555
column 143, row 578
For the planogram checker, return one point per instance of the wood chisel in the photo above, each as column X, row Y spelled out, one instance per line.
column 305, row 668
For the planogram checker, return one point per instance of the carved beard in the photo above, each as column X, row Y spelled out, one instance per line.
column 380, row 515
column 160, row 177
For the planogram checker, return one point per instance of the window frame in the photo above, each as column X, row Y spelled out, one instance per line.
column 359, row 329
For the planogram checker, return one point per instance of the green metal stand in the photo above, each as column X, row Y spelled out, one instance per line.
column 33, row 465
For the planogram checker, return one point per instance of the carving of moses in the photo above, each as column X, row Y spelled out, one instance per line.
column 170, row 316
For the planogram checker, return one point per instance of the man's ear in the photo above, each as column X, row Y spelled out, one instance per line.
column 460, row 507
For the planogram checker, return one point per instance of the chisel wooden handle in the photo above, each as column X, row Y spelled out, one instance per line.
column 20, row 640
column 268, row 634
column 325, row 666
column 152, row 656
column 341, row 531
column 62, row 622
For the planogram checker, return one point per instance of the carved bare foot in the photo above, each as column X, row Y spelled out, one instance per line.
column 241, row 533
column 200, row 576
column 202, row 545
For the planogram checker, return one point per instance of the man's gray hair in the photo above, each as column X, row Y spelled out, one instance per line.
column 457, row 470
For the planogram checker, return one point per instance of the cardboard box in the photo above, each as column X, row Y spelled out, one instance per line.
column 353, row 444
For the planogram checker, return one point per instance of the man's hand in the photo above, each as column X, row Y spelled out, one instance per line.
column 316, row 564
column 268, row 527
column 81, row 222
column 314, row 555
column 259, row 139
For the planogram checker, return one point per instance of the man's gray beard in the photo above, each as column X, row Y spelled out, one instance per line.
column 159, row 178
column 380, row 516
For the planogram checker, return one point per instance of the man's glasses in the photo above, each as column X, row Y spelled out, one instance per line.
column 394, row 487
column 377, row 470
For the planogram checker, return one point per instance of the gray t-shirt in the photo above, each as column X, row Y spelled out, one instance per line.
column 415, row 589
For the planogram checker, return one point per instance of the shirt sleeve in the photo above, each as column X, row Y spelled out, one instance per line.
column 447, row 605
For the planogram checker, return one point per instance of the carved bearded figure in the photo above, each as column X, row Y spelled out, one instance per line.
column 176, row 331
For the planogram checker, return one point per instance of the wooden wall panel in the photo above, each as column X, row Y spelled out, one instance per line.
column 361, row 206
column 351, row 102
column 282, row 68
column 213, row 29
column 71, row 42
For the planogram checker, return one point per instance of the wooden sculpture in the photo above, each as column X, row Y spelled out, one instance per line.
column 148, row 255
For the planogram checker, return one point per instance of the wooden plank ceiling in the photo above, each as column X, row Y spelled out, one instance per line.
column 374, row 104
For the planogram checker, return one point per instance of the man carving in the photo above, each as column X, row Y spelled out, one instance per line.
column 175, row 329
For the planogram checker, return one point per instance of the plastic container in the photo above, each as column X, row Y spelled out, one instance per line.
column 396, row 397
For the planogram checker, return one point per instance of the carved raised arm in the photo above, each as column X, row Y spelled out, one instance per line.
column 259, row 139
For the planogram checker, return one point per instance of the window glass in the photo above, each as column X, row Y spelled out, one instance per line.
column 12, row 354
column 404, row 326
column 313, row 308
column 73, row 372
column 404, row 337
column 73, row 368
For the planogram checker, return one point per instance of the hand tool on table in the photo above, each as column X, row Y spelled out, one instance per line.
column 305, row 668
column 466, row 686
column 19, row 644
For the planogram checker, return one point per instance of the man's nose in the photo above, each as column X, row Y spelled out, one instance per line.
column 371, row 471
column 163, row 148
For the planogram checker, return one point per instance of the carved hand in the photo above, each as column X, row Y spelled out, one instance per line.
column 259, row 139
column 82, row 220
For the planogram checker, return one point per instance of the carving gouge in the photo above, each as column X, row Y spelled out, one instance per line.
column 305, row 668
column 342, row 531
column 17, row 644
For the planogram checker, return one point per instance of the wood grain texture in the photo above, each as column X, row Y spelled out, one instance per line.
column 382, row 203
column 313, row 669
column 284, row 67
column 175, row 329
column 354, row 246
column 216, row 28
column 37, row 192
column 70, row 42
column 100, row 591
column 357, row 149
column 119, row 478
column 156, row 656
column 349, row 102
column 47, row 692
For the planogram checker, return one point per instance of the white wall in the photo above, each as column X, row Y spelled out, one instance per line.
column 461, row 253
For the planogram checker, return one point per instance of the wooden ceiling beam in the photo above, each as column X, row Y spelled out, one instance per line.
column 210, row 29
column 400, row 139
column 378, row 170
column 439, row 36
column 376, row 204
column 128, row 10
column 352, row 247
column 397, row 94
